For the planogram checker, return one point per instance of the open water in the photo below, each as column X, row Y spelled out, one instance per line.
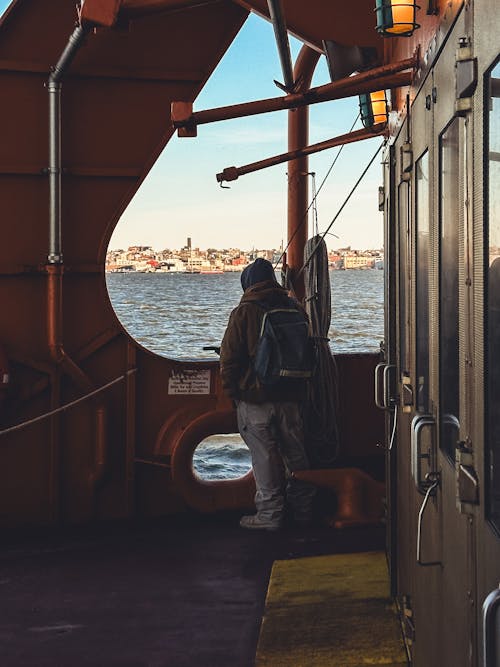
column 176, row 314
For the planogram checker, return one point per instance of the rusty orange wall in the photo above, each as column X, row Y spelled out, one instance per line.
column 115, row 107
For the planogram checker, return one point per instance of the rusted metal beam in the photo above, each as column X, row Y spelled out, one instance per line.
column 148, row 75
column 134, row 8
column 379, row 78
column 232, row 173
column 100, row 12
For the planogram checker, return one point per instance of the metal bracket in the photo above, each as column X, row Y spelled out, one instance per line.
column 381, row 198
column 406, row 393
column 467, row 483
column 466, row 76
column 406, row 157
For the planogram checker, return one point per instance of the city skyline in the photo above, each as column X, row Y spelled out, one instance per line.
column 181, row 197
column 142, row 247
column 212, row 260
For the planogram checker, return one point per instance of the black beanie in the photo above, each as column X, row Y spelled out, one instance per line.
column 257, row 272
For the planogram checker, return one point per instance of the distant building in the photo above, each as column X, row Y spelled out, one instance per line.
column 353, row 261
column 140, row 249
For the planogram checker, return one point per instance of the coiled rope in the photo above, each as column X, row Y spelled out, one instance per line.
column 322, row 433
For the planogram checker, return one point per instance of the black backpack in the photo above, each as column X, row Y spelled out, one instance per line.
column 284, row 350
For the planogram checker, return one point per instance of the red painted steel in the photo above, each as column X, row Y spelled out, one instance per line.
column 99, row 12
column 360, row 498
column 101, row 458
column 233, row 173
column 379, row 78
column 63, row 338
column 316, row 20
column 208, row 495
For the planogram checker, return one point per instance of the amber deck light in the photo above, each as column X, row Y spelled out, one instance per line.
column 396, row 18
column 373, row 108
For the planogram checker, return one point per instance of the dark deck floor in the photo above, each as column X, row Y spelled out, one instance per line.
column 170, row 592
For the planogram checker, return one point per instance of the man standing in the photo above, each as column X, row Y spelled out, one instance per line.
column 269, row 415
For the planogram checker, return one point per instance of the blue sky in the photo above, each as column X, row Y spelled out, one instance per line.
column 181, row 197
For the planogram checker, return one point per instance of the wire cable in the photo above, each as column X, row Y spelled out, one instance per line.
column 304, row 217
column 69, row 405
column 353, row 189
column 315, row 203
column 393, row 434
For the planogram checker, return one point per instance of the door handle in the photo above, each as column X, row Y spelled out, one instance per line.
column 383, row 398
column 490, row 617
column 378, row 396
column 431, row 490
column 422, row 481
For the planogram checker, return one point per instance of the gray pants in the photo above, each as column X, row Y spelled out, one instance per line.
column 274, row 434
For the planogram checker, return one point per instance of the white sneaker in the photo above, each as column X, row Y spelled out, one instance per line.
column 253, row 522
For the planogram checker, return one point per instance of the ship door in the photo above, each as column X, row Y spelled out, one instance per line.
column 435, row 560
column 485, row 365
column 386, row 370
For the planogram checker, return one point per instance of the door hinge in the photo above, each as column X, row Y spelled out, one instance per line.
column 381, row 198
column 407, row 620
column 467, row 482
column 406, row 156
column 466, row 76
column 406, row 393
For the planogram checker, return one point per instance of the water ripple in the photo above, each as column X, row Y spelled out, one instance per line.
column 176, row 315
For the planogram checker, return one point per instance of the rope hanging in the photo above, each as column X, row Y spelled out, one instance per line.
column 322, row 434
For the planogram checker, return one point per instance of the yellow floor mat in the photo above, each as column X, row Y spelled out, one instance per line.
column 330, row 611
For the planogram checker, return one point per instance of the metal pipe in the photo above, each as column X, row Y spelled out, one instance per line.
column 298, row 186
column 55, row 269
column 280, row 32
column 55, row 254
column 54, row 88
column 233, row 173
column 69, row 367
column 379, row 78
column 54, row 328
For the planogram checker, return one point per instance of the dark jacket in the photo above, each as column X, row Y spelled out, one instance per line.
column 239, row 343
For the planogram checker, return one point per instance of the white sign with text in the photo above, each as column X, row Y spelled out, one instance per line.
column 189, row 382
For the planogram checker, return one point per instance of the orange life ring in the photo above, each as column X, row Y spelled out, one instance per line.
column 204, row 495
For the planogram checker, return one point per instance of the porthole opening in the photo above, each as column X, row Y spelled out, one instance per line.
column 222, row 456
